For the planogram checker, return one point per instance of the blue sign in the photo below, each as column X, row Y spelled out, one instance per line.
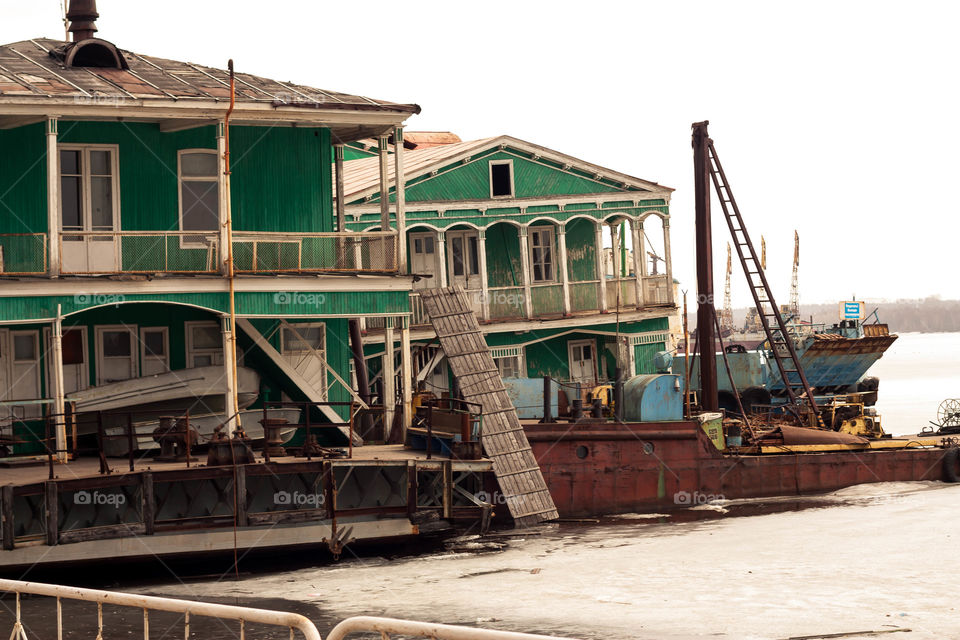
column 851, row 310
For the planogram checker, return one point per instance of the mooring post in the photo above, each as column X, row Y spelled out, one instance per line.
column 547, row 407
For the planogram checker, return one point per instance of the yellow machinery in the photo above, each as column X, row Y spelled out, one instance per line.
column 849, row 414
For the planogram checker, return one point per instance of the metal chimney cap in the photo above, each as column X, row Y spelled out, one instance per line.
column 82, row 15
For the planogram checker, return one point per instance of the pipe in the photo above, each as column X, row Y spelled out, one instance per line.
column 709, row 400
column 547, row 397
column 82, row 15
column 360, row 368
column 387, row 627
column 231, row 273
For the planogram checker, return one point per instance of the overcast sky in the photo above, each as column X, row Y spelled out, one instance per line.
column 833, row 118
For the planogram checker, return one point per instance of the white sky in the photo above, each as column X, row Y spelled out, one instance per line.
column 836, row 119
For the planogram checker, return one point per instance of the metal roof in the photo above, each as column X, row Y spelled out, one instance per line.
column 33, row 72
column 362, row 176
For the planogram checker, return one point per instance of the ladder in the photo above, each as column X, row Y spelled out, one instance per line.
column 781, row 343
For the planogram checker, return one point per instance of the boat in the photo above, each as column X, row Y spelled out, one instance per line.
column 116, row 445
column 199, row 390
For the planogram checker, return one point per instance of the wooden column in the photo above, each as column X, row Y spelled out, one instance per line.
column 564, row 276
column 388, row 374
column 385, row 245
column 59, row 402
column 442, row 257
column 53, row 199
column 401, row 205
column 525, row 273
column 484, row 281
column 406, row 376
column 615, row 255
column 668, row 260
column 338, row 179
column 601, row 269
column 639, row 258
column 229, row 397
column 223, row 212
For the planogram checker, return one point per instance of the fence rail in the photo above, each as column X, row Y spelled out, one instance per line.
column 109, row 252
column 264, row 252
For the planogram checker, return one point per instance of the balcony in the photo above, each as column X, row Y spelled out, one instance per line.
column 184, row 252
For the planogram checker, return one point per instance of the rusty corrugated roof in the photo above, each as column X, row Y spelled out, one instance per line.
column 34, row 69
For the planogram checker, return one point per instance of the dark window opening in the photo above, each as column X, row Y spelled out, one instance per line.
column 500, row 180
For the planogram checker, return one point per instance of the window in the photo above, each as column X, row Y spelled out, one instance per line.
column 509, row 367
column 73, row 346
column 116, row 355
column 204, row 344
column 303, row 346
column 26, row 372
column 501, row 179
column 423, row 244
column 199, row 191
column 154, row 351
column 88, row 188
column 464, row 253
column 303, row 339
column 541, row 254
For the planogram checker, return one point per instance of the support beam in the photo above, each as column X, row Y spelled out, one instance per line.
column 704, row 243
column 564, row 276
column 442, row 257
column 484, row 280
column 668, row 261
column 601, row 268
column 222, row 184
column 59, row 403
column 338, row 172
column 639, row 258
column 386, row 255
column 389, row 379
column 287, row 369
column 400, row 185
column 406, row 377
column 525, row 273
column 615, row 255
column 230, row 394
column 53, row 198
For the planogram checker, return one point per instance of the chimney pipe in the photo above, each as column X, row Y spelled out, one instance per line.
column 82, row 15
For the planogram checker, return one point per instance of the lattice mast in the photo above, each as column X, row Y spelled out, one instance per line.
column 726, row 315
column 794, row 281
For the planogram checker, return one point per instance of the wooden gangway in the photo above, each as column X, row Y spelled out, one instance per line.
column 504, row 441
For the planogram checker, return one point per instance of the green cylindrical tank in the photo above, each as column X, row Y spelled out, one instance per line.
column 653, row 398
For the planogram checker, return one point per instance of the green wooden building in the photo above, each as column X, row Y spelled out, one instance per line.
column 126, row 248
column 561, row 258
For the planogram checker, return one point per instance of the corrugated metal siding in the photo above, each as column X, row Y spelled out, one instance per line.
column 643, row 355
column 23, row 175
column 584, row 296
column 503, row 256
column 547, row 300
column 581, row 250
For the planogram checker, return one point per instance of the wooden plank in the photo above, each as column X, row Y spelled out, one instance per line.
column 504, row 440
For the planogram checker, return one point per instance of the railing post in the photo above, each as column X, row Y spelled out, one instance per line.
column 53, row 197
column 240, row 494
column 51, row 512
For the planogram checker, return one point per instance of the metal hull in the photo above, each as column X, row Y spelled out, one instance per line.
column 653, row 467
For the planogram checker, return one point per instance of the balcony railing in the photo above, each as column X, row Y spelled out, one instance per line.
column 23, row 254
column 265, row 252
column 194, row 252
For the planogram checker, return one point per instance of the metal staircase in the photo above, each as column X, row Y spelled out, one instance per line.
column 781, row 344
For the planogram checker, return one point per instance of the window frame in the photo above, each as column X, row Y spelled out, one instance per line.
column 85, row 365
column 553, row 253
column 216, row 355
column 86, row 203
column 508, row 163
column 15, row 376
column 184, row 242
column 100, row 357
column 301, row 349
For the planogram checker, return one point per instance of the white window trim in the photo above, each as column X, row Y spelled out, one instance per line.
column 420, row 235
column 213, row 234
column 99, row 330
column 85, row 379
column 510, row 353
column 553, row 253
column 144, row 356
column 490, row 165
column 301, row 347
column 196, row 351
column 465, row 235
column 86, row 203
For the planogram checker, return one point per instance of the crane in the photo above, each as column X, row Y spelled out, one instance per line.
column 726, row 314
column 794, row 308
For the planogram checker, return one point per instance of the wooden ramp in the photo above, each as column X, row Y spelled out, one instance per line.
column 504, row 441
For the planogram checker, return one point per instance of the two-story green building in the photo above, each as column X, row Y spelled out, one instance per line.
column 539, row 239
column 152, row 229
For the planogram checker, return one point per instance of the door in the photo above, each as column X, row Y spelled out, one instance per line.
column 304, row 347
column 583, row 361
column 463, row 265
column 423, row 259
column 89, row 205
column 116, row 354
column 154, row 351
column 73, row 344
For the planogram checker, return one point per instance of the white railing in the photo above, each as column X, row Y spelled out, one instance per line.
column 291, row 621
column 409, row 628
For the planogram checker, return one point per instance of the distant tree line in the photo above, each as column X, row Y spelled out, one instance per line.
column 929, row 315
